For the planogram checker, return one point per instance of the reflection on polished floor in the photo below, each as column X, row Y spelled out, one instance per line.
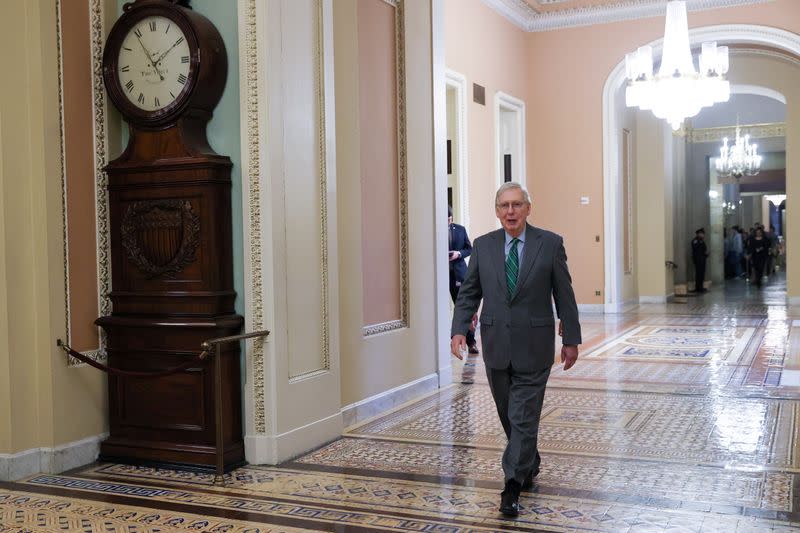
column 678, row 417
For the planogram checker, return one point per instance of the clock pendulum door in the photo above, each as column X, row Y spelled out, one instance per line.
column 171, row 242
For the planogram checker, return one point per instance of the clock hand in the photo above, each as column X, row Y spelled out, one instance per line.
column 150, row 58
column 162, row 56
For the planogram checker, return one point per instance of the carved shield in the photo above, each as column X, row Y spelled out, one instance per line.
column 160, row 236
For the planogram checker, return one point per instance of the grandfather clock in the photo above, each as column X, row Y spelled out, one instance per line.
column 164, row 67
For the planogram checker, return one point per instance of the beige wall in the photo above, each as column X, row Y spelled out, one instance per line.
column 44, row 402
column 373, row 364
column 488, row 50
column 651, row 168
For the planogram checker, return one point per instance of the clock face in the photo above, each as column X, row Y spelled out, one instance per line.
column 153, row 63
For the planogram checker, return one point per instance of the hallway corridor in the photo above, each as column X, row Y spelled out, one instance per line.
column 677, row 417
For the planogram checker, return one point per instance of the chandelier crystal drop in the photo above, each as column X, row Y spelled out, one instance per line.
column 678, row 91
column 740, row 159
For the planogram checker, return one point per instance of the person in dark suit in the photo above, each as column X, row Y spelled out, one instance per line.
column 459, row 249
column 518, row 271
column 699, row 256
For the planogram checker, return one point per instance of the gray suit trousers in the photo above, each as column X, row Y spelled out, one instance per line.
column 518, row 397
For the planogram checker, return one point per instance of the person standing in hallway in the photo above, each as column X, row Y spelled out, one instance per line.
column 737, row 249
column 518, row 271
column 699, row 255
column 757, row 252
column 459, row 249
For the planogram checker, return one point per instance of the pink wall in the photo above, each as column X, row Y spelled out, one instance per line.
column 490, row 51
column 79, row 168
column 377, row 92
column 567, row 70
column 560, row 75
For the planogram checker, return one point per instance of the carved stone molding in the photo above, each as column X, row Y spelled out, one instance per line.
column 253, row 139
column 160, row 236
column 527, row 18
column 756, row 131
column 100, row 161
column 63, row 172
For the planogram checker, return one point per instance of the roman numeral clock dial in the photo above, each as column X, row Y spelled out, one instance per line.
column 153, row 63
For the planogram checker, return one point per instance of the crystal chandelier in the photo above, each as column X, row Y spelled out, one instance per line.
column 678, row 91
column 739, row 160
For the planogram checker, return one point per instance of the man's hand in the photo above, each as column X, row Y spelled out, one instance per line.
column 454, row 255
column 458, row 346
column 569, row 355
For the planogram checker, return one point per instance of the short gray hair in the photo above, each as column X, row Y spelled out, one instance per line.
column 512, row 185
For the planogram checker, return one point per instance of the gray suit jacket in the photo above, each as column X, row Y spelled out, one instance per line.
column 520, row 331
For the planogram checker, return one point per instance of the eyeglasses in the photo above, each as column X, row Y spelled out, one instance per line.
column 507, row 206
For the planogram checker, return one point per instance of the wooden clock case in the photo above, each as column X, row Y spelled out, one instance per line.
column 172, row 265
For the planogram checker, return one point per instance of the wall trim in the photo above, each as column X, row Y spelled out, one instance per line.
column 99, row 109
column 458, row 81
column 255, row 227
column 54, row 460
column 275, row 449
column 525, row 17
column 384, row 401
column 653, row 299
column 756, row 131
column 591, row 308
column 723, row 34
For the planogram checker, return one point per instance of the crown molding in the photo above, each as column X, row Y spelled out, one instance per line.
column 524, row 16
column 756, row 131
column 519, row 12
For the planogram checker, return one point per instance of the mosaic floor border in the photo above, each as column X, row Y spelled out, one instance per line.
column 339, row 499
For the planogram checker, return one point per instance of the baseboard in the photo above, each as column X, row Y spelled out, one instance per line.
column 274, row 449
column 794, row 300
column 653, row 299
column 377, row 404
column 591, row 308
column 445, row 377
column 15, row 466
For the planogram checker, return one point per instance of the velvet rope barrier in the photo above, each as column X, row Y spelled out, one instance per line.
column 128, row 373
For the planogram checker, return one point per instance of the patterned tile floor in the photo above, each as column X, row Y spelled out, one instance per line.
column 679, row 417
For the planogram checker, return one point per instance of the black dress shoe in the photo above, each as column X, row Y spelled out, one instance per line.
column 509, row 499
column 528, row 483
column 473, row 349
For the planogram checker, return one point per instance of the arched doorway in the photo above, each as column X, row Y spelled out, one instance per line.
column 769, row 40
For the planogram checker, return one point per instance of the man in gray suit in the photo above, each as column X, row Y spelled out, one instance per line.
column 518, row 271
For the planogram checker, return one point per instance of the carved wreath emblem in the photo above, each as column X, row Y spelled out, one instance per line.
column 160, row 236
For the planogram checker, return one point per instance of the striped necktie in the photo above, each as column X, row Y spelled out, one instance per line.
column 512, row 267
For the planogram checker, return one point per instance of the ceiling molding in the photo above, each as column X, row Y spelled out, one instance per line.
column 524, row 16
column 518, row 12
column 756, row 131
